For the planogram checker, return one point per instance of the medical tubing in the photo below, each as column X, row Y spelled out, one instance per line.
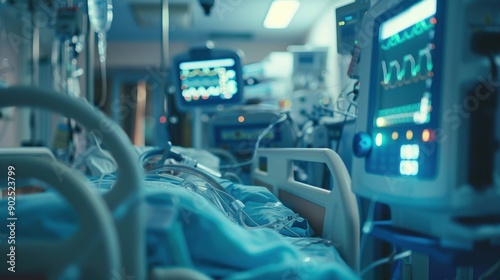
column 216, row 187
column 218, row 190
column 101, row 48
column 189, row 170
column 165, row 178
column 221, row 200
column 81, row 159
column 193, row 171
column 268, row 225
column 388, row 259
column 312, row 240
column 216, row 200
column 279, row 120
column 367, row 228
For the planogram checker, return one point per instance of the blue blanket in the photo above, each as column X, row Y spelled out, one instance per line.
column 217, row 247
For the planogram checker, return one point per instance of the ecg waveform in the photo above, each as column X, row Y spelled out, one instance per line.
column 416, row 30
column 410, row 70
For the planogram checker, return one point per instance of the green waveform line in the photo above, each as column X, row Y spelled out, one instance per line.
column 417, row 29
column 415, row 66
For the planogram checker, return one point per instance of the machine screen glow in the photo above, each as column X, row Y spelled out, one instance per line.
column 208, row 81
column 404, row 105
column 405, row 67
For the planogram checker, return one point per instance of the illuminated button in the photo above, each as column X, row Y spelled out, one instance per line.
column 408, row 167
column 410, row 151
column 426, row 135
column 409, row 135
column 395, row 135
column 285, row 104
column 378, row 139
column 241, row 119
column 381, row 122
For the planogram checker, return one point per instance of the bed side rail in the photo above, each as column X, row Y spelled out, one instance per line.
column 125, row 198
column 341, row 220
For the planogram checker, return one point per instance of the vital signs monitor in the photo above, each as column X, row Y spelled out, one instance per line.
column 208, row 77
column 428, row 121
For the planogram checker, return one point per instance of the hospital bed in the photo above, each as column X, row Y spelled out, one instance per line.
column 332, row 214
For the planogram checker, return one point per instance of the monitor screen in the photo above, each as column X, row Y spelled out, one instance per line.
column 404, row 111
column 211, row 82
column 405, row 66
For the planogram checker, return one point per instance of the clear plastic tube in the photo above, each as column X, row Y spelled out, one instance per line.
column 101, row 48
column 391, row 258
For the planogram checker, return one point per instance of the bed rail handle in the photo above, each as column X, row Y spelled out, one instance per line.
column 52, row 257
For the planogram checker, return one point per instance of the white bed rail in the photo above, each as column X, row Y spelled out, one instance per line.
column 338, row 207
column 124, row 199
column 96, row 236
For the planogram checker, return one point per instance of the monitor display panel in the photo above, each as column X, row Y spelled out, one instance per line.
column 209, row 80
column 403, row 105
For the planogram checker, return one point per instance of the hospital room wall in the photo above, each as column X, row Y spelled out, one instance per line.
column 324, row 33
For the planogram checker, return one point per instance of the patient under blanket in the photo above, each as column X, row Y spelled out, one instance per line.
column 214, row 244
